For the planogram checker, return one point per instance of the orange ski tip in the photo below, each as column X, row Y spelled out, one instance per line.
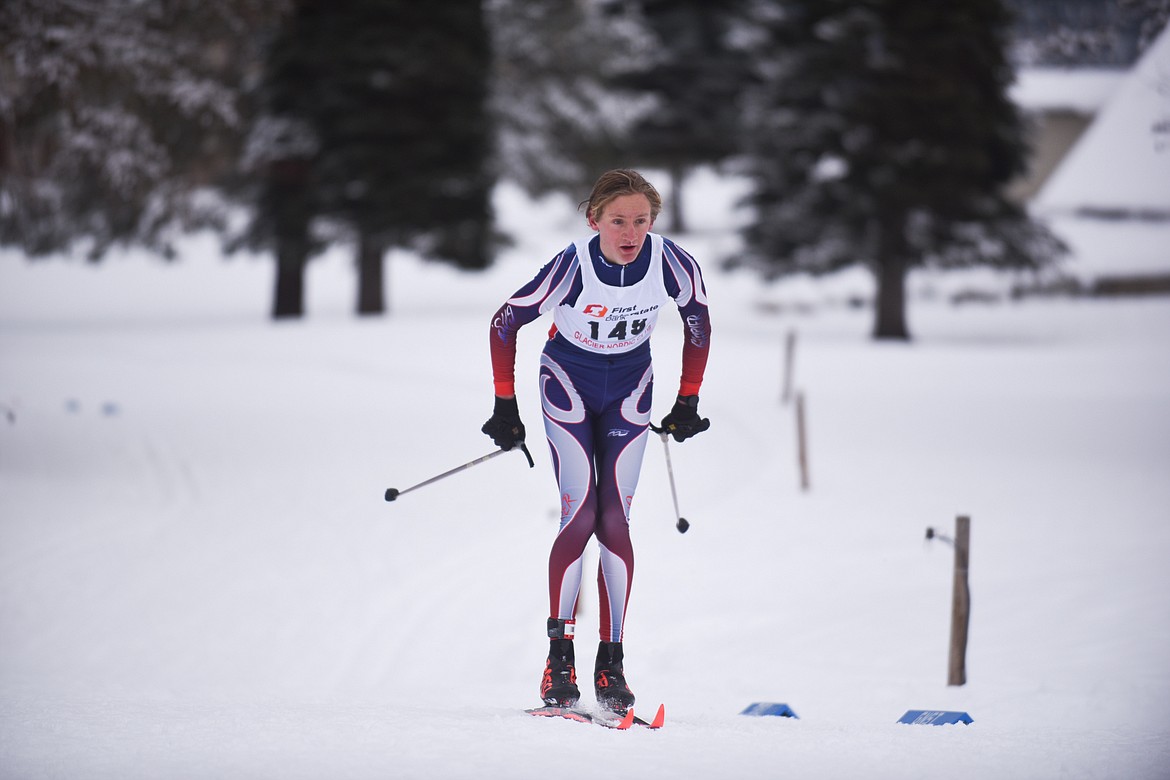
column 628, row 720
column 659, row 717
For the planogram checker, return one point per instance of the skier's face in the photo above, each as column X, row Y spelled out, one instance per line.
column 623, row 225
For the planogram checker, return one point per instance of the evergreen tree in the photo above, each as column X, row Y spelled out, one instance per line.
column 882, row 134
column 279, row 185
column 1102, row 33
column 418, row 138
column 114, row 114
column 695, row 71
column 377, row 123
column 558, row 120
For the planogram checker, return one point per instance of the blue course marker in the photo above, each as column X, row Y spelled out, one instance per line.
column 761, row 708
column 934, row 718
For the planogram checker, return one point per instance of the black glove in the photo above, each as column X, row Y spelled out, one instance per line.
column 683, row 421
column 504, row 426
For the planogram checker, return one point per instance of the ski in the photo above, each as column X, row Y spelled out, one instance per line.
column 610, row 720
column 584, row 716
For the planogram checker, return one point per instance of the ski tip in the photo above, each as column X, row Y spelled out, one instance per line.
column 657, row 722
column 627, row 720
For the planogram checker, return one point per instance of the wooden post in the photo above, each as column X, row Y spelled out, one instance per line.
column 801, row 441
column 789, row 361
column 960, row 603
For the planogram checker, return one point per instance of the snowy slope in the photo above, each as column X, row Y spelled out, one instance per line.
column 199, row 577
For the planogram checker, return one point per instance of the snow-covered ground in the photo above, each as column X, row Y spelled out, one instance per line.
column 199, row 576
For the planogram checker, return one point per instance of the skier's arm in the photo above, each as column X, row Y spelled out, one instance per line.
column 684, row 282
column 695, row 349
column 533, row 299
column 545, row 290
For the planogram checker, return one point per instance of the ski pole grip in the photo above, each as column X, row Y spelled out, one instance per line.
column 524, row 448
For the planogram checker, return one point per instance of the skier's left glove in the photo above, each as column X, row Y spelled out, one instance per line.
column 683, row 421
column 504, row 426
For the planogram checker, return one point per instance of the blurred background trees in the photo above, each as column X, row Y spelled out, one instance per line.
column 1085, row 32
column 881, row 133
column 365, row 135
column 873, row 132
column 694, row 71
column 115, row 115
column 558, row 120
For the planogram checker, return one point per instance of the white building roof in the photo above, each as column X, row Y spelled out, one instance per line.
column 1121, row 165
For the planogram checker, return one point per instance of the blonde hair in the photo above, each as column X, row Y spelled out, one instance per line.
column 616, row 183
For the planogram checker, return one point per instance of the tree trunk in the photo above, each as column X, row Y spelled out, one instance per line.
column 891, row 270
column 289, row 298
column 286, row 198
column 371, row 298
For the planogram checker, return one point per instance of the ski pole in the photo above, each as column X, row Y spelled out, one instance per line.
column 393, row 493
column 682, row 525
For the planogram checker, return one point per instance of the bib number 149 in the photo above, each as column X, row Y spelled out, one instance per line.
column 619, row 331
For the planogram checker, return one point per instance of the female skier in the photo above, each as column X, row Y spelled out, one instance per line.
column 605, row 292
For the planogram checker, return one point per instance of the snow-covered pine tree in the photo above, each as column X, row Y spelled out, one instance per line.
column 1079, row 33
column 882, row 134
column 694, row 70
column 114, row 115
column 379, row 126
column 432, row 105
column 558, row 124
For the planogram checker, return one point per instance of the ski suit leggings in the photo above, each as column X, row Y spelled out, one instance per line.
column 596, row 413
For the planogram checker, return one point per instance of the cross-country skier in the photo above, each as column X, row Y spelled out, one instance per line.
column 605, row 293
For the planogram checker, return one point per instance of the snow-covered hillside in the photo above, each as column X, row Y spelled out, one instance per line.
column 199, row 576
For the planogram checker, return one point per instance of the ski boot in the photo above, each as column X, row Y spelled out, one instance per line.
column 559, row 686
column 609, row 679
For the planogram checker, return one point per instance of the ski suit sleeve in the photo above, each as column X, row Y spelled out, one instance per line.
column 547, row 289
column 684, row 282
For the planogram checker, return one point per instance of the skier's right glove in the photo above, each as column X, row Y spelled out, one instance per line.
column 683, row 421
column 504, row 426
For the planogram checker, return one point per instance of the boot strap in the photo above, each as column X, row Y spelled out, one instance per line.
column 561, row 629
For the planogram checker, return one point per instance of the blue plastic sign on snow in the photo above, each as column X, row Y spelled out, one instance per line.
column 770, row 708
column 934, row 718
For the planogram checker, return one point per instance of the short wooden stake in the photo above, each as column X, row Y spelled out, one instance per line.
column 801, row 441
column 789, row 364
column 960, row 603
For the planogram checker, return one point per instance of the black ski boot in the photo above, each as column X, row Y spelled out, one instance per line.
column 559, row 686
column 609, row 679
